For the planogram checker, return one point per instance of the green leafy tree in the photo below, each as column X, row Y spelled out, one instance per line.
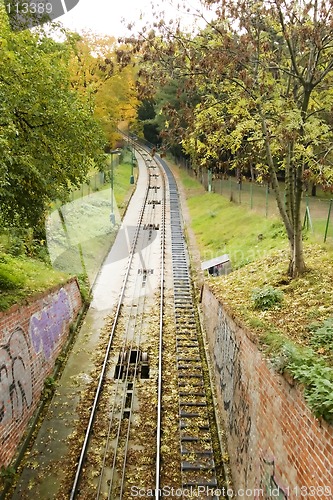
column 262, row 72
column 48, row 137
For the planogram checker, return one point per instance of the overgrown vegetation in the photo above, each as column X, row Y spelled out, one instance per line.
column 25, row 268
column 266, row 297
column 22, row 276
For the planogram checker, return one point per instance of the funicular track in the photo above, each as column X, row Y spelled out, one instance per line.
column 126, row 361
column 196, row 448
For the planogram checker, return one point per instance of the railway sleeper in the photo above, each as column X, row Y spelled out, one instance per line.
column 191, row 414
column 184, row 364
column 191, row 375
column 187, row 328
column 189, row 331
column 192, row 367
column 193, row 403
column 186, row 349
column 203, row 478
column 188, row 360
column 180, row 296
column 187, row 352
column 191, row 393
column 194, row 484
column 190, row 387
column 199, row 429
column 187, row 325
column 183, row 343
column 194, row 439
column 196, row 418
column 186, row 319
column 189, row 336
column 196, row 447
column 187, row 343
column 193, row 474
column 196, row 465
column 193, row 370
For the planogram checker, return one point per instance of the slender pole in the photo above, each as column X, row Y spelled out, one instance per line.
column 328, row 220
column 132, row 165
column 112, row 217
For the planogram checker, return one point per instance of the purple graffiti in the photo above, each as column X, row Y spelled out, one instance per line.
column 47, row 326
column 15, row 377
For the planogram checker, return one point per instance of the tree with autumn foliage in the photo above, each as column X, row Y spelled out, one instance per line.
column 262, row 74
column 104, row 84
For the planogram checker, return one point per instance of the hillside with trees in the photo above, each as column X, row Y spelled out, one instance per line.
column 62, row 98
column 252, row 90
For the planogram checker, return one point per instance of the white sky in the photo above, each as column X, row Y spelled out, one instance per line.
column 105, row 16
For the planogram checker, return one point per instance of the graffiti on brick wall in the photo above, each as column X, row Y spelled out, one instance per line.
column 270, row 483
column 234, row 392
column 16, row 382
column 47, row 326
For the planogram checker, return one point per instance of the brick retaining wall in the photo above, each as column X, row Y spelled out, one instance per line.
column 275, row 443
column 31, row 338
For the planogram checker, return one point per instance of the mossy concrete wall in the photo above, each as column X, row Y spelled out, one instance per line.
column 31, row 338
column 277, row 448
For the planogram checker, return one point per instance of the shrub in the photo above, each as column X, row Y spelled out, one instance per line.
column 266, row 297
column 318, row 381
column 8, row 280
column 322, row 335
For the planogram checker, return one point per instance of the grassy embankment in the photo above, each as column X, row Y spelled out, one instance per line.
column 88, row 238
column 292, row 320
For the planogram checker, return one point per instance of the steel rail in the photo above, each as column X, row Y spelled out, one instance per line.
column 160, row 342
column 106, row 357
column 124, row 395
column 159, row 350
column 136, row 364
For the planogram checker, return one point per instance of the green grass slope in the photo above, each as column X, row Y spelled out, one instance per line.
column 291, row 319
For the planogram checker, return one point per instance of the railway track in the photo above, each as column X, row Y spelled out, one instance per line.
column 120, row 439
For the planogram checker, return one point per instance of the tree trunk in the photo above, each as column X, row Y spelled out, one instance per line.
column 291, row 211
column 297, row 264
